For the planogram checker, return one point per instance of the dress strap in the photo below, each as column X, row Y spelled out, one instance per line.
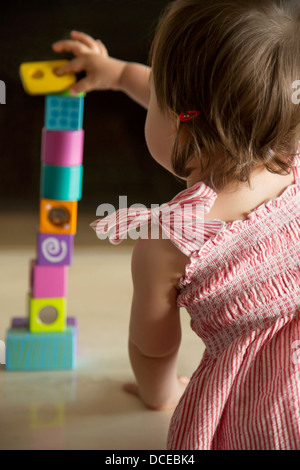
column 297, row 166
column 181, row 220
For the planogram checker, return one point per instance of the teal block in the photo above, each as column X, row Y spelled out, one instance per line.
column 62, row 183
column 63, row 113
column 40, row 351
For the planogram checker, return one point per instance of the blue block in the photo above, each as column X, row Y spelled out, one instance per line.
column 40, row 351
column 63, row 113
column 63, row 183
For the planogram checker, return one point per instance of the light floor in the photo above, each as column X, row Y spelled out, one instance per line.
column 84, row 408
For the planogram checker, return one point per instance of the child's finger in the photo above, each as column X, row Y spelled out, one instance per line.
column 73, row 66
column 83, row 85
column 68, row 45
column 101, row 48
column 90, row 42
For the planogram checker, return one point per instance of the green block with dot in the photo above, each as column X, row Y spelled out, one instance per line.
column 47, row 315
column 63, row 112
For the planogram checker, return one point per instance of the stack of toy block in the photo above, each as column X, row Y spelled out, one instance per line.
column 47, row 338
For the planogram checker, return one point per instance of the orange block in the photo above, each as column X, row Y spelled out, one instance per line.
column 58, row 216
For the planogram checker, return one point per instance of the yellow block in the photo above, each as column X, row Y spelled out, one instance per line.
column 46, row 315
column 39, row 78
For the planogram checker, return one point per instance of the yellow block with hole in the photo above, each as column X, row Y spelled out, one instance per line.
column 39, row 78
column 46, row 315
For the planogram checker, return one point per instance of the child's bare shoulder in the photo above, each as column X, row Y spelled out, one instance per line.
column 159, row 259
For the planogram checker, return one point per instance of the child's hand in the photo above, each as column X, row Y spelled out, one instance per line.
column 102, row 72
column 173, row 400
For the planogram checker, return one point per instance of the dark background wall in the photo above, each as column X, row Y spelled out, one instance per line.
column 116, row 159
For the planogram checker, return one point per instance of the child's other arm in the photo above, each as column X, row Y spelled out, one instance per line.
column 102, row 71
column 155, row 331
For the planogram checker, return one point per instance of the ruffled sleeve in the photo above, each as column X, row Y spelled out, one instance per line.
column 181, row 220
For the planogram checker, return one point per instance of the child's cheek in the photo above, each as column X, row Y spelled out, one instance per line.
column 158, row 143
column 151, row 139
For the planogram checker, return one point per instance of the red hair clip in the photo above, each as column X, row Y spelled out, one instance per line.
column 188, row 115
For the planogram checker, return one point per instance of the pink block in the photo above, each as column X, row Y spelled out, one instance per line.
column 48, row 281
column 62, row 148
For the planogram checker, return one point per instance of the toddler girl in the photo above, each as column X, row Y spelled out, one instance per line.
column 222, row 116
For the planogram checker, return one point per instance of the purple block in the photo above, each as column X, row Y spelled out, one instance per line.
column 23, row 322
column 62, row 148
column 48, row 281
column 72, row 321
column 54, row 249
column 20, row 322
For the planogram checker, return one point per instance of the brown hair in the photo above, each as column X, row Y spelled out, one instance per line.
column 235, row 61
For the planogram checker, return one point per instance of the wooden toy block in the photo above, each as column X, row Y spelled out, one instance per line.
column 40, row 351
column 58, row 216
column 39, row 78
column 54, row 249
column 20, row 322
column 47, row 315
column 62, row 148
column 63, row 113
column 62, row 183
column 23, row 322
column 48, row 281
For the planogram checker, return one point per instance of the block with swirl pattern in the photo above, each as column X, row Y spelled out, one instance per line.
column 54, row 249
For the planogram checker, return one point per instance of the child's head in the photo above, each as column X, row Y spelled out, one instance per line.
column 235, row 61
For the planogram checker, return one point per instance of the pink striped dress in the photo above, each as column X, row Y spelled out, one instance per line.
column 242, row 292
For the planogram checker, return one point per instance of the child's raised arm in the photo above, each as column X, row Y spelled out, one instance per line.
column 102, row 71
